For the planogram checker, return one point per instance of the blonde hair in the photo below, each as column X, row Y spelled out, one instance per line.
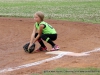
column 40, row 14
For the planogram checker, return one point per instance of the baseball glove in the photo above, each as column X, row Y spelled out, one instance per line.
column 31, row 49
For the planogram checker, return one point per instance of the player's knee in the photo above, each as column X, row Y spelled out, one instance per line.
column 43, row 37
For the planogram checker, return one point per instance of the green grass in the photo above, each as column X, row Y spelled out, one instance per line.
column 72, row 10
column 71, row 71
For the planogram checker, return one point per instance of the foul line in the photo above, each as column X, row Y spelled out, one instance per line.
column 95, row 50
column 32, row 64
column 42, row 61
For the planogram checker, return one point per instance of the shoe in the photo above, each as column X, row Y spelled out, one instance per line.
column 55, row 48
column 44, row 49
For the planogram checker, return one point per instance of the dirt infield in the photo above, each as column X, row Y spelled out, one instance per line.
column 72, row 36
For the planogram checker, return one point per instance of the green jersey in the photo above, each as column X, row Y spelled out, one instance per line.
column 48, row 29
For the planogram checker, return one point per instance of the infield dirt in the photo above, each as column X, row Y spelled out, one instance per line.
column 72, row 36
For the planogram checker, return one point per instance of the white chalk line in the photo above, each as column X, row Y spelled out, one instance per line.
column 32, row 64
column 42, row 61
column 95, row 50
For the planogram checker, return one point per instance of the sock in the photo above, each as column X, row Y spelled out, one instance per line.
column 41, row 43
column 50, row 42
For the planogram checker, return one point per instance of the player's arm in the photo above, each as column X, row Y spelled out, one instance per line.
column 32, row 36
column 39, row 33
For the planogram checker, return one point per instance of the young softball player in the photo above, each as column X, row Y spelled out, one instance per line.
column 44, row 32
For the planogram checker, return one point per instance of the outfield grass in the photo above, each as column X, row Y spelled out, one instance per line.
column 72, row 71
column 72, row 10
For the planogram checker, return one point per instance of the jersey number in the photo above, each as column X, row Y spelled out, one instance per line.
column 50, row 26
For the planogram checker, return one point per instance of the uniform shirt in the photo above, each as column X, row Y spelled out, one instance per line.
column 48, row 29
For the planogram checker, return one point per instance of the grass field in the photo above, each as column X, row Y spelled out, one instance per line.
column 72, row 71
column 72, row 10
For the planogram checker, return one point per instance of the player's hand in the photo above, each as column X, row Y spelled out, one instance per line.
column 29, row 45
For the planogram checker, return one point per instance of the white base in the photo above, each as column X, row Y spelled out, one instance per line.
column 67, row 53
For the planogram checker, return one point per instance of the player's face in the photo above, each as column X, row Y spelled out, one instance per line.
column 37, row 18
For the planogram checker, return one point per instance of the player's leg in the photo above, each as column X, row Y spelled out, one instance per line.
column 42, row 47
column 50, row 38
